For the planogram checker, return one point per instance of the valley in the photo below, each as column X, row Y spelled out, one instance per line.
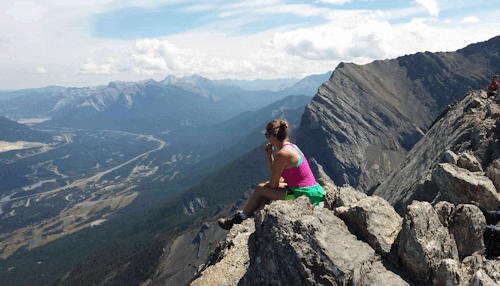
column 79, row 180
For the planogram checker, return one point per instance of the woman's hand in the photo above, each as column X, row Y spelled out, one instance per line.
column 268, row 149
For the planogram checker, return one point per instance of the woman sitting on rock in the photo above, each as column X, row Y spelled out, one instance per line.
column 493, row 86
column 289, row 164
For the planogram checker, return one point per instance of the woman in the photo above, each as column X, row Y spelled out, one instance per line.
column 493, row 86
column 290, row 165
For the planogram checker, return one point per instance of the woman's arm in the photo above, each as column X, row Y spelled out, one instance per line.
column 277, row 168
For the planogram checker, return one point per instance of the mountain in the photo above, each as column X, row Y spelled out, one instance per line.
column 466, row 134
column 4, row 95
column 266, row 84
column 363, row 121
column 308, row 85
column 438, row 236
column 147, row 106
column 11, row 131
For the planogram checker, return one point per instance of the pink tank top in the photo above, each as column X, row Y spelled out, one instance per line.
column 300, row 175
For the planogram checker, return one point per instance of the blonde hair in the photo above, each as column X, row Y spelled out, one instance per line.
column 279, row 132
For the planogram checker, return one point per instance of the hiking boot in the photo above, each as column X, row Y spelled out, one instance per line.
column 227, row 223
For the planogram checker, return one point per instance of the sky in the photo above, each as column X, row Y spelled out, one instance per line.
column 92, row 42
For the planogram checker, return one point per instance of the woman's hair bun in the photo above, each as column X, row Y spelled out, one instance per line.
column 283, row 130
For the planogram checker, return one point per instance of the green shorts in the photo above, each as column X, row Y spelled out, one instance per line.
column 314, row 193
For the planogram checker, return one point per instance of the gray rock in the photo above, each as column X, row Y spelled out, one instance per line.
column 444, row 211
column 482, row 279
column 492, row 268
column 450, row 157
column 469, row 162
column 488, row 269
column 447, row 274
column 424, row 242
column 454, row 130
column 318, row 171
column 493, row 111
column 467, row 226
column 295, row 243
column 461, row 186
column 331, row 193
column 342, row 197
column 229, row 257
column 376, row 222
column 493, row 172
column 191, row 203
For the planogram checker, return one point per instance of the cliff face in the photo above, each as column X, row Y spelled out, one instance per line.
column 363, row 121
column 466, row 134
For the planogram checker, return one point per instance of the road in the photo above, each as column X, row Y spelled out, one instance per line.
column 96, row 177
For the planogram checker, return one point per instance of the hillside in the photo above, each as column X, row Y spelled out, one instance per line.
column 11, row 131
column 365, row 118
column 467, row 133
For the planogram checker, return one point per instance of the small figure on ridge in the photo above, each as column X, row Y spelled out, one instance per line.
column 493, row 86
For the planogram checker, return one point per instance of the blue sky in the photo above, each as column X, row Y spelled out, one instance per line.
column 86, row 43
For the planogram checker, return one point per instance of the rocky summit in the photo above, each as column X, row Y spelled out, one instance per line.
column 422, row 225
column 363, row 242
column 365, row 119
column 457, row 160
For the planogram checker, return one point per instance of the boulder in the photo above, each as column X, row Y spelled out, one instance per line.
column 467, row 226
column 376, row 222
column 424, row 242
column 230, row 256
column 331, row 193
column 482, row 279
column 469, row 162
column 476, row 270
column 461, row 186
column 342, row 197
column 444, row 211
column 493, row 173
column 447, row 274
column 450, row 157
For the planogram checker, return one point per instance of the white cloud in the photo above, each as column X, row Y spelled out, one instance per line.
column 40, row 70
column 470, row 19
column 447, row 21
column 26, row 11
column 430, row 5
column 336, row 2
column 330, row 42
column 301, row 10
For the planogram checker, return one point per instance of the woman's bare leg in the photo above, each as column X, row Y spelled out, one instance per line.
column 262, row 194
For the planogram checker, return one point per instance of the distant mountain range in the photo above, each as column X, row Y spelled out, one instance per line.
column 149, row 106
column 11, row 131
column 365, row 118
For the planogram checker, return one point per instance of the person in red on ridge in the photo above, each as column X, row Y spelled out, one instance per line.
column 493, row 86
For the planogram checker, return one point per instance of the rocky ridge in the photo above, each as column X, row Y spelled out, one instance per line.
column 360, row 239
column 296, row 243
column 460, row 152
column 365, row 119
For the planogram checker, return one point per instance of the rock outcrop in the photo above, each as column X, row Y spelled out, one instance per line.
column 296, row 243
column 424, row 242
column 363, row 121
column 466, row 134
column 375, row 220
column 191, row 203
